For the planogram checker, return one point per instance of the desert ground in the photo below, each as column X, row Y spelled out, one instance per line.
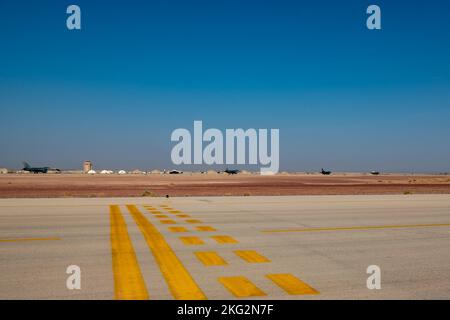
column 79, row 185
column 290, row 247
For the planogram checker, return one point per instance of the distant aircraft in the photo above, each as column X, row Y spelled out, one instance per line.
column 28, row 168
column 175, row 172
column 375, row 173
column 231, row 171
column 325, row 172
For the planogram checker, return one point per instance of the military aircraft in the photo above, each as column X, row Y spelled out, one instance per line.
column 231, row 171
column 326, row 173
column 375, row 173
column 28, row 168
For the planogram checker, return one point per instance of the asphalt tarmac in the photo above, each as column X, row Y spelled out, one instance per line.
column 286, row 247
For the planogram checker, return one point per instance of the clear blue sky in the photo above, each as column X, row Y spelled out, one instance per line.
column 343, row 97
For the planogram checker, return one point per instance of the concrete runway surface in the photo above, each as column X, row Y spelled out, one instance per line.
column 293, row 247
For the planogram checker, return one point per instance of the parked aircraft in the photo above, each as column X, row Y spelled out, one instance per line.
column 29, row 168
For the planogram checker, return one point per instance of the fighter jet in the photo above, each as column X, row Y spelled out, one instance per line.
column 231, row 171
column 28, row 168
column 326, row 173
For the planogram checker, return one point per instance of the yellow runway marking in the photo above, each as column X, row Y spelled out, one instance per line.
column 224, row 239
column 29, row 239
column 128, row 281
column 161, row 216
column 406, row 226
column 191, row 240
column 181, row 284
column 178, row 229
column 183, row 216
column 241, row 287
column 210, row 259
column 291, row 284
column 193, row 221
column 167, row 221
column 251, row 256
column 205, row 228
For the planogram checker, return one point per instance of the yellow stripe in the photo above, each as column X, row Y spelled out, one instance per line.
column 29, row 239
column 291, row 284
column 361, row 228
column 251, row 256
column 178, row 229
column 183, row 216
column 205, row 228
column 167, row 221
column 241, row 287
column 174, row 211
column 128, row 281
column 210, row 259
column 191, row 240
column 161, row 216
column 224, row 239
column 180, row 282
column 193, row 221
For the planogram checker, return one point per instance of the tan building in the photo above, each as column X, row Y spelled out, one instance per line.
column 87, row 166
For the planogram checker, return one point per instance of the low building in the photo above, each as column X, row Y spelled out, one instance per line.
column 3, row 171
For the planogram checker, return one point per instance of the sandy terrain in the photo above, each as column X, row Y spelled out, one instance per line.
column 77, row 185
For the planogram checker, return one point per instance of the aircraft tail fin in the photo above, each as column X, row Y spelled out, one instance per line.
column 26, row 165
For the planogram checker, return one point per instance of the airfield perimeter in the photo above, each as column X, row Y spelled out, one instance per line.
column 79, row 185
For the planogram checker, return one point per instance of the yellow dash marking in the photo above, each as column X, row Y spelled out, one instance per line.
column 191, row 240
column 128, row 281
column 251, row 256
column 241, row 287
column 174, row 211
column 156, row 212
column 183, row 216
column 193, row 221
column 29, row 239
column 205, row 228
column 181, row 284
column 167, row 221
column 161, row 216
column 361, row 228
column 224, row 239
column 291, row 284
column 178, row 229
column 210, row 259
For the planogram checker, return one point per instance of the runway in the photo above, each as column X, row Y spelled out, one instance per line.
column 280, row 247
